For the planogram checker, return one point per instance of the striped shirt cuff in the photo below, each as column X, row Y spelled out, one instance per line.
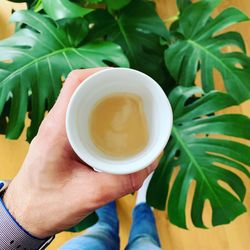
column 13, row 236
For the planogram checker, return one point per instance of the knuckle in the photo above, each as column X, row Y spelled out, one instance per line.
column 73, row 75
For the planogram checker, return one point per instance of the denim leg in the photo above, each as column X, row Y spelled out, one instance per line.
column 104, row 235
column 143, row 233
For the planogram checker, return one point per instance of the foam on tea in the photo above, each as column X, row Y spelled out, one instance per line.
column 118, row 125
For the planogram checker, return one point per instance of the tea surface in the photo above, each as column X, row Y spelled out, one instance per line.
column 118, row 125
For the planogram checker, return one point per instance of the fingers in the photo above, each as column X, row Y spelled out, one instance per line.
column 115, row 186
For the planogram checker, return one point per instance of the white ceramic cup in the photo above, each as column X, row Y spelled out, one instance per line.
column 118, row 80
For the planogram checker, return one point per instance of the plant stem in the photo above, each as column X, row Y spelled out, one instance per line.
column 38, row 6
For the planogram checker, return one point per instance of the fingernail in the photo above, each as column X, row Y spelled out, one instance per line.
column 1, row 184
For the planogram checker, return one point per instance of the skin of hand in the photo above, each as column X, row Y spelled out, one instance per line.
column 54, row 189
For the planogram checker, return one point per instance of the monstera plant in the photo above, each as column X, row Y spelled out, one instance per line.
column 53, row 37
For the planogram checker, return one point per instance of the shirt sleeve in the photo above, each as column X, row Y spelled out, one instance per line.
column 12, row 235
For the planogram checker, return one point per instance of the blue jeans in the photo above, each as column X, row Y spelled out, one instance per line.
column 104, row 235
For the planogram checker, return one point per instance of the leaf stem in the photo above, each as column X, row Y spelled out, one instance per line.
column 38, row 6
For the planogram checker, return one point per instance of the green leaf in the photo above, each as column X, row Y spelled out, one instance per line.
column 199, row 45
column 3, row 115
column 38, row 6
column 93, row 1
column 59, row 9
column 87, row 222
column 116, row 5
column 33, row 61
column 137, row 29
column 182, row 4
column 195, row 150
column 72, row 26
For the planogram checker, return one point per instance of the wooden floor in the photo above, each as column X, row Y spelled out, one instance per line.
column 235, row 236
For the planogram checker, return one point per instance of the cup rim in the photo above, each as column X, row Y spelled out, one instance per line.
column 104, row 167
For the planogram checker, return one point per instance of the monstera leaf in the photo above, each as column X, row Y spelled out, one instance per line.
column 33, row 61
column 181, row 4
column 137, row 29
column 94, row 1
column 194, row 148
column 199, row 45
column 116, row 5
column 59, row 9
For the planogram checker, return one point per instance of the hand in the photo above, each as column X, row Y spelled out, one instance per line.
column 54, row 190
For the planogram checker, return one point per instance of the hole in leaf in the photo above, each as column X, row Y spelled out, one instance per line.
column 201, row 135
column 218, row 80
column 177, row 153
column 63, row 78
column 207, row 213
column 225, row 49
column 31, row 28
column 8, row 61
column 231, row 168
column 27, row 121
column 230, row 48
column 108, row 63
column 198, row 79
column 190, row 197
column 91, row 25
column 227, row 187
column 238, row 66
column 190, row 100
column 231, row 110
column 231, row 138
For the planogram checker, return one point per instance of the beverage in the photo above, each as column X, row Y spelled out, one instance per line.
column 118, row 121
column 118, row 125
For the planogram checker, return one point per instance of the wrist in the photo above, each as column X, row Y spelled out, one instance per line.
column 23, row 213
column 14, row 236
